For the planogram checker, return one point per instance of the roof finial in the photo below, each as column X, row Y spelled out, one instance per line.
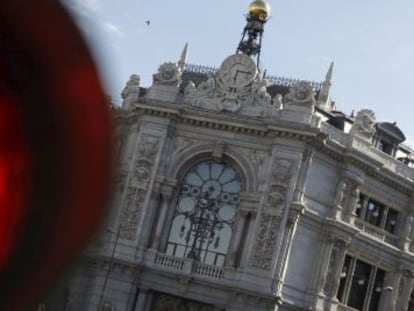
column 323, row 97
column 328, row 77
column 183, row 58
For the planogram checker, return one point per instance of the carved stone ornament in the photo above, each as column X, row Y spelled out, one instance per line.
column 168, row 74
column 258, row 158
column 182, row 143
column 300, row 93
column 138, row 187
column 236, row 87
column 364, row 124
column 279, row 183
column 265, row 243
column 130, row 93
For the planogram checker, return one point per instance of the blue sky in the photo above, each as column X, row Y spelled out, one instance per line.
column 371, row 43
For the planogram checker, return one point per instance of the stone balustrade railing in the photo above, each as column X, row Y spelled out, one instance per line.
column 172, row 263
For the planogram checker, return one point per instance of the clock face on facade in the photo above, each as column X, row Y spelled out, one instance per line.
column 238, row 70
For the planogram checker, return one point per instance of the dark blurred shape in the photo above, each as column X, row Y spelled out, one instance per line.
column 55, row 148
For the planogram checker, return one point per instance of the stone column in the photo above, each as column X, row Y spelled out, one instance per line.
column 250, row 236
column 303, row 173
column 321, row 272
column 406, row 232
column 165, row 201
column 390, row 290
column 333, row 275
column 405, row 288
column 237, row 235
column 280, row 267
column 150, row 219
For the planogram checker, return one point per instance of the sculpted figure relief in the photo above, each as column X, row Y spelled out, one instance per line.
column 301, row 93
column 364, row 124
column 130, row 93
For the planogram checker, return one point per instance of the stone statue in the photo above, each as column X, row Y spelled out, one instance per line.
column 261, row 96
column 364, row 124
column 278, row 101
column 340, row 192
column 354, row 199
column 130, row 93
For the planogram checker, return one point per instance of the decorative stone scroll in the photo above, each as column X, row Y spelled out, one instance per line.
column 138, row 187
column 265, row 243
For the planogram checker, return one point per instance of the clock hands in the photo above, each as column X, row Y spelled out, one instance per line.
column 240, row 72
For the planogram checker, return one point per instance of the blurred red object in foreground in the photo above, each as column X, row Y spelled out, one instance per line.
column 55, row 148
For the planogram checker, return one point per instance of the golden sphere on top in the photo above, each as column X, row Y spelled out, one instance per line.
column 259, row 9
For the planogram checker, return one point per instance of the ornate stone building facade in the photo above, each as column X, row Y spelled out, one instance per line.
column 242, row 192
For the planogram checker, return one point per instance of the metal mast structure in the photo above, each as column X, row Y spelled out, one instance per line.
column 251, row 41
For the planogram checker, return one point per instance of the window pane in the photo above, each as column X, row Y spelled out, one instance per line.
column 374, row 213
column 359, row 285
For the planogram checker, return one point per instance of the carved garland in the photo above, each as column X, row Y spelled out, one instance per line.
column 137, row 187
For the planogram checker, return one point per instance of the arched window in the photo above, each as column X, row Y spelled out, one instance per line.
column 205, row 212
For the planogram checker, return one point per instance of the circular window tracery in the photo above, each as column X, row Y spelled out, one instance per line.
column 205, row 212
